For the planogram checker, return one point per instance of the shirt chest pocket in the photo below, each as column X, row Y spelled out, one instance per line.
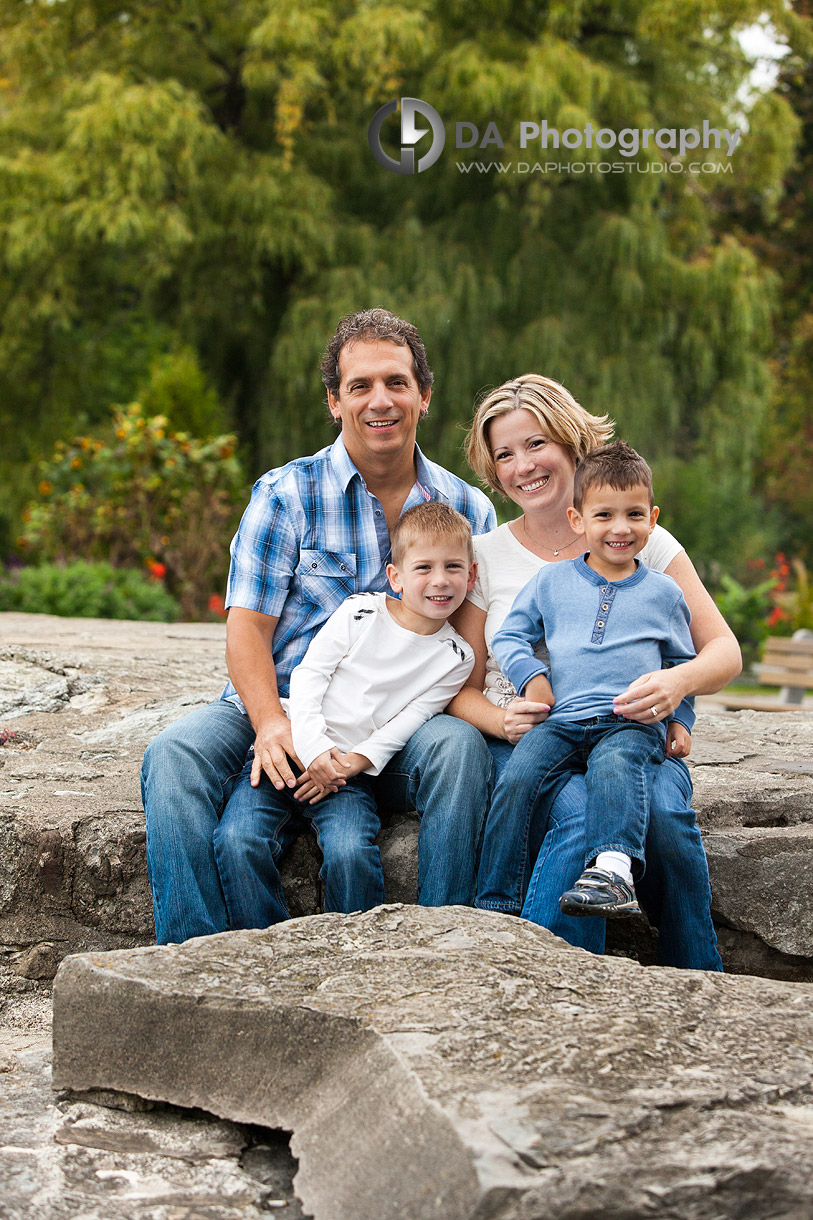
column 326, row 578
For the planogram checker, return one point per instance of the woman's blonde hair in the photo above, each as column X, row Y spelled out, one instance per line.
column 560, row 417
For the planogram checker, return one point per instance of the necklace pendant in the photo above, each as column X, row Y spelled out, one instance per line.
column 556, row 552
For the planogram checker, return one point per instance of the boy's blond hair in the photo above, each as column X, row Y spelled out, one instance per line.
column 433, row 521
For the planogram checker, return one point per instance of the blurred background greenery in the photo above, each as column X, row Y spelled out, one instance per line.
column 188, row 203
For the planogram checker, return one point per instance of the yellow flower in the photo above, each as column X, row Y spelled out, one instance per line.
column 76, row 464
column 46, row 488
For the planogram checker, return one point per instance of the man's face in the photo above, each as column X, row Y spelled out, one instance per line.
column 379, row 402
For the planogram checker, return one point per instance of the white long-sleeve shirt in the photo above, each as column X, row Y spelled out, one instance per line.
column 366, row 684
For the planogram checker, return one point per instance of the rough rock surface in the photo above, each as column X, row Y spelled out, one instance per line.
column 63, row 1158
column 80, row 699
column 455, row 1064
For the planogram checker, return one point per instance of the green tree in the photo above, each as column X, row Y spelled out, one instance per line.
column 197, row 173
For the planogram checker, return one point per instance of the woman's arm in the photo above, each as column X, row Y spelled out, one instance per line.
column 471, row 705
column 718, row 658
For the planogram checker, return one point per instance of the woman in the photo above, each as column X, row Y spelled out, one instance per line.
column 525, row 441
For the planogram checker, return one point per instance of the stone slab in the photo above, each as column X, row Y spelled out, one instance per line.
column 463, row 1065
column 83, row 698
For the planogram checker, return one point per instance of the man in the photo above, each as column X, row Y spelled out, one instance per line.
column 314, row 532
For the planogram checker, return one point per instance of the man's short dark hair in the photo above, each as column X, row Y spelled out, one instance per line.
column 616, row 465
column 370, row 325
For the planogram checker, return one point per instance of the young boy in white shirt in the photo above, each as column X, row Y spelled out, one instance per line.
column 377, row 670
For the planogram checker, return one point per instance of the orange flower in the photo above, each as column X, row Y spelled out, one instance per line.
column 157, row 570
column 45, row 488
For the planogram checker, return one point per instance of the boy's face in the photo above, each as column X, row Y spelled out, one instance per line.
column 616, row 524
column 433, row 578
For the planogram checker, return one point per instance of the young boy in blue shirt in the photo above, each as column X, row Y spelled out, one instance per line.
column 605, row 619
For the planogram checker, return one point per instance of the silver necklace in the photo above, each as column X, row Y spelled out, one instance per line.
column 552, row 550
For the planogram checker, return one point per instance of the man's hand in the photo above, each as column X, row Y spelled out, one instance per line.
column 678, row 740
column 273, row 746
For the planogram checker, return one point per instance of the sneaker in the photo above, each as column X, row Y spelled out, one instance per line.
column 600, row 892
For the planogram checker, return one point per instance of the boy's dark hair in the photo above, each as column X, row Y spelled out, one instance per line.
column 431, row 520
column 615, row 465
column 370, row 325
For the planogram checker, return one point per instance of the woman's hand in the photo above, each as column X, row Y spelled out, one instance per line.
column 652, row 697
column 521, row 716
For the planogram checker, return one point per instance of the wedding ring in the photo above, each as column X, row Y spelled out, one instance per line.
column 654, row 711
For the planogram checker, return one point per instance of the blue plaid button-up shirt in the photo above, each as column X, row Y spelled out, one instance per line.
column 313, row 534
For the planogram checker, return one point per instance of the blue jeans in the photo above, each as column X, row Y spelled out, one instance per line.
column 190, row 772
column 619, row 757
column 258, row 824
column 675, row 891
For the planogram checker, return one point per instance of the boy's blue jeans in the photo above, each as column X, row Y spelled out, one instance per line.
column 674, row 892
column 190, row 773
column 259, row 824
column 619, row 757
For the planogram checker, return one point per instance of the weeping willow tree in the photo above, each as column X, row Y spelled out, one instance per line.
column 198, row 172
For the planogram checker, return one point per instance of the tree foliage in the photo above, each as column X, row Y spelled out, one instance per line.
column 196, row 175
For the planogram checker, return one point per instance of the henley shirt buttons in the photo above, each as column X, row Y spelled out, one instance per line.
column 605, row 606
column 600, row 623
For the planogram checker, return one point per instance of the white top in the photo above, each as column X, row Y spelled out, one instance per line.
column 366, row 684
column 504, row 566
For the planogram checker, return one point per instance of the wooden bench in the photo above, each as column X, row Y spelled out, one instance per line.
column 785, row 663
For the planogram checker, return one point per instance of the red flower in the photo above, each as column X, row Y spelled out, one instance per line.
column 217, row 605
column 157, row 570
column 776, row 616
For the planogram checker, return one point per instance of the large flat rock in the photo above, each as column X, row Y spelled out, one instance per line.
column 80, row 699
column 454, row 1064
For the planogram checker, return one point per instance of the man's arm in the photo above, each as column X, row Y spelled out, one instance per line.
column 249, row 637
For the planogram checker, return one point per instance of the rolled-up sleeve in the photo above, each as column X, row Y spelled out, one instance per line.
column 264, row 554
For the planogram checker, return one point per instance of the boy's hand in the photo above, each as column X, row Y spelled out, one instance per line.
column 355, row 763
column 329, row 769
column 334, row 768
column 538, row 690
column 311, row 792
column 678, row 740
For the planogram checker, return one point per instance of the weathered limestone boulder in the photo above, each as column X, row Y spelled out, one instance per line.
column 80, row 699
column 63, row 1159
column 454, row 1064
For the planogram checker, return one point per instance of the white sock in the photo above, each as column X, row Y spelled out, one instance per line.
column 615, row 862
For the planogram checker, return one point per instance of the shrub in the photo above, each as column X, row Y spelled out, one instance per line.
column 87, row 590
column 792, row 597
column 745, row 610
column 139, row 495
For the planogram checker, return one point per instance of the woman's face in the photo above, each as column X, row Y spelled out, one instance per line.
column 533, row 471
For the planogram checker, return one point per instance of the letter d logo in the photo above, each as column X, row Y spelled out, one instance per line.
column 410, row 135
